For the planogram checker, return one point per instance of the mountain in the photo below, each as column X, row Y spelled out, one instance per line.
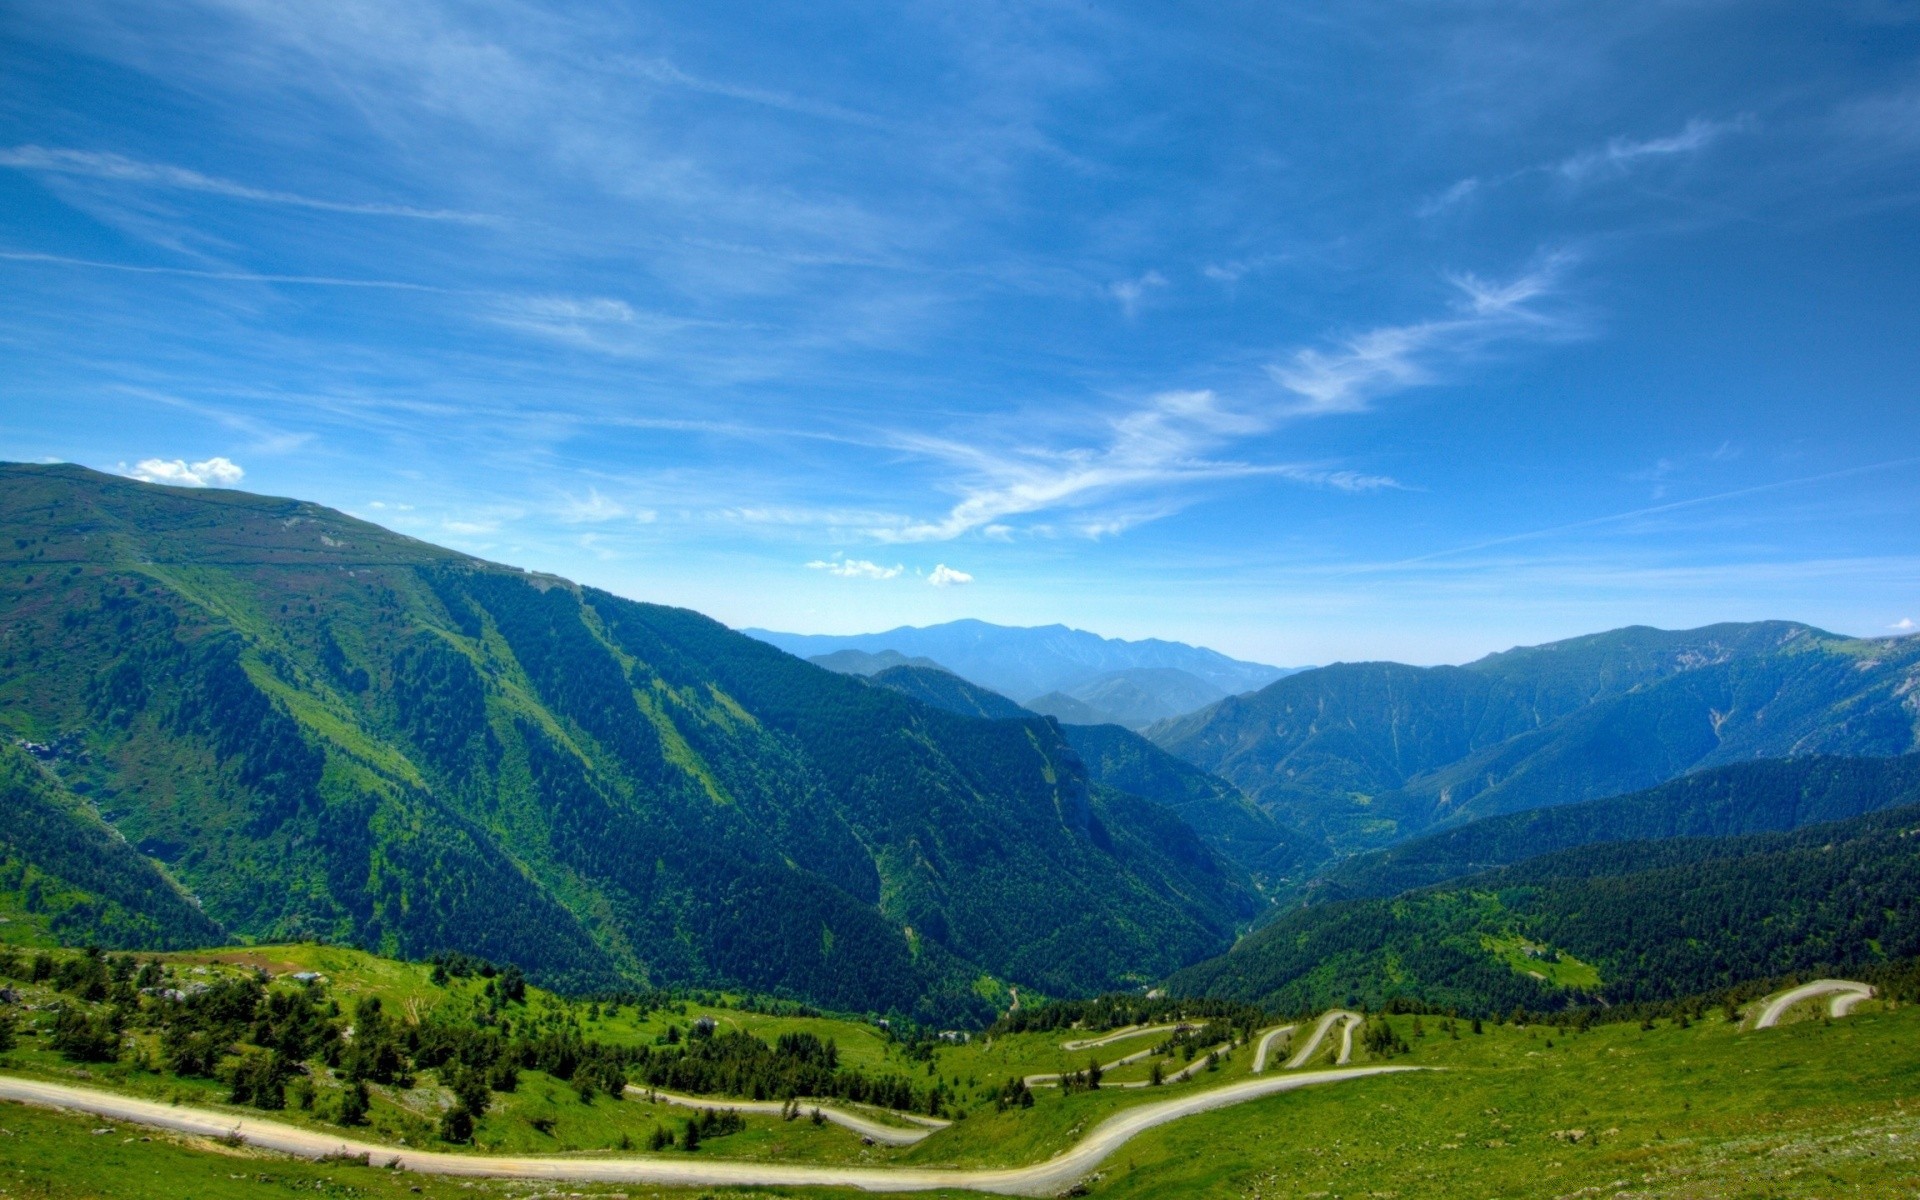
column 326, row 730
column 1123, row 761
column 1140, row 696
column 1223, row 817
column 859, row 662
column 1755, row 797
column 1069, row 711
column 945, row 690
column 66, row 874
column 1027, row 662
column 1616, row 921
column 1367, row 754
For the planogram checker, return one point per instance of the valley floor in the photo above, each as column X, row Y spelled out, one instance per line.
column 1814, row 1107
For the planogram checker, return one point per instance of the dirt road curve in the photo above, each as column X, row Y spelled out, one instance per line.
column 1118, row 1035
column 1041, row 1179
column 1845, row 992
column 1320, row 1035
column 1266, row 1044
column 889, row 1135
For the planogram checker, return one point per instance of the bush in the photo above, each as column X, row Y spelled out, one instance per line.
column 353, row 1106
column 82, row 1038
column 456, row 1125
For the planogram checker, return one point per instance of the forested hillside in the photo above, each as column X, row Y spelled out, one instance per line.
column 1617, row 921
column 1368, row 754
column 1124, row 761
column 65, row 873
column 327, row 730
column 1772, row 794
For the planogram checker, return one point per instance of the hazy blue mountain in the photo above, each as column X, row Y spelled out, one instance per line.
column 1026, row 662
column 1370, row 753
column 1756, row 797
column 1139, row 696
column 327, row 730
column 859, row 662
column 1069, row 711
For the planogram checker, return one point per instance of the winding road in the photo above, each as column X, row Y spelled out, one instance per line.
column 1118, row 1035
column 891, row 1135
column 1040, row 1179
column 1845, row 992
column 1320, row 1029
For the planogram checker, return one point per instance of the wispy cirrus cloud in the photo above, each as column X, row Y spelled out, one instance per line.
column 1621, row 153
column 1619, row 156
column 118, row 167
column 1179, row 439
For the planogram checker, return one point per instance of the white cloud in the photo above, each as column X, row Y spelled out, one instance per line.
column 945, row 576
column 589, row 509
column 1458, row 193
column 1129, row 292
column 854, row 568
column 1621, row 153
column 211, row 472
column 1904, row 625
column 131, row 170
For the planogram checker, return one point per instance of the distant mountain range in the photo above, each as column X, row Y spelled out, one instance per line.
column 1369, row 754
column 1078, row 677
column 259, row 717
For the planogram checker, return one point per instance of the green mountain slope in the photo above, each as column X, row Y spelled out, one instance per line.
column 1217, row 811
column 328, row 730
column 1756, row 797
column 1371, row 753
column 1621, row 921
column 1124, row 761
column 945, row 690
column 64, row 873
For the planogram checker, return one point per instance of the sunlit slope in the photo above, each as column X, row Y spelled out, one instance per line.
column 326, row 729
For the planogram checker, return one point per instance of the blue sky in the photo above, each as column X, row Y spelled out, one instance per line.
column 1307, row 332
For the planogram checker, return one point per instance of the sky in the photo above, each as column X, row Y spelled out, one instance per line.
column 1307, row 332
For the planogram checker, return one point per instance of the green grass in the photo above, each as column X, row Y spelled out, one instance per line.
column 1811, row 1108
column 1556, row 968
